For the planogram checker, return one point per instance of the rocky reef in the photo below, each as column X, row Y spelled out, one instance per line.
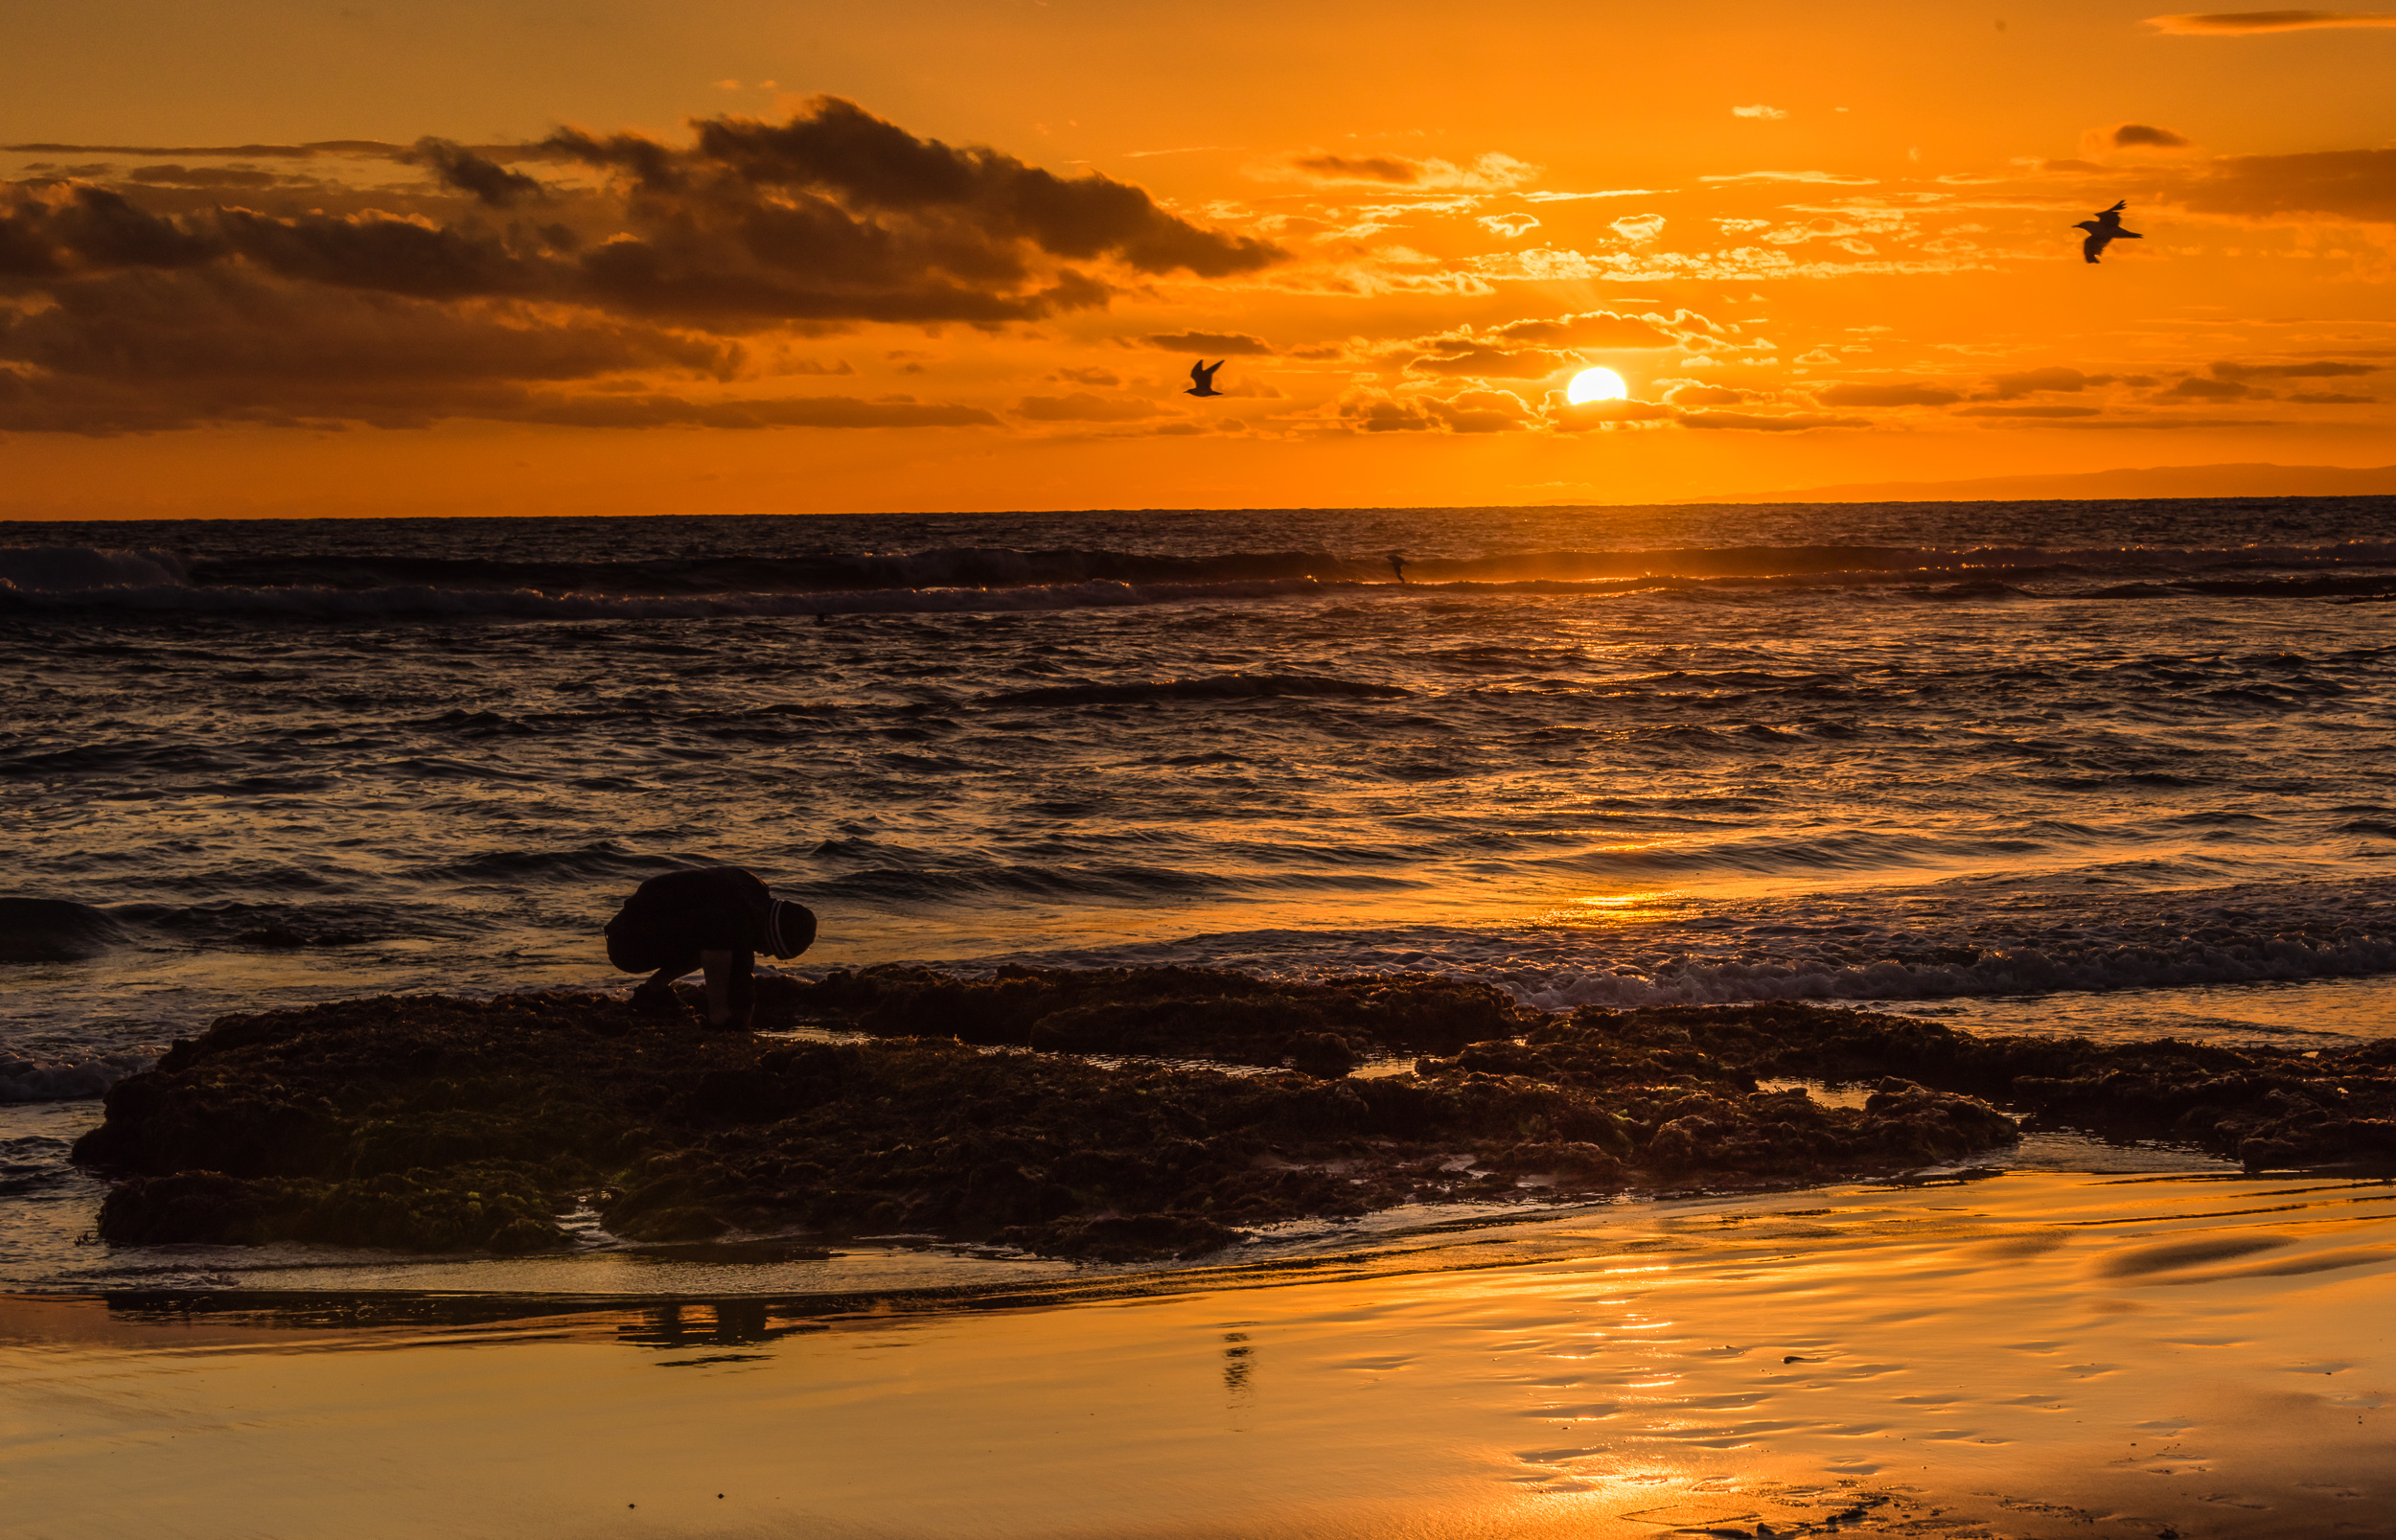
column 1112, row 1114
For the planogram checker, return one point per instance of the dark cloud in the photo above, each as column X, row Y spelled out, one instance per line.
column 154, row 349
column 210, row 176
column 1391, row 169
column 1698, row 394
column 1754, row 422
column 370, row 149
column 1222, row 344
column 2323, row 397
column 346, row 308
column 2348, row 184
column 1894, row 392
column 2196, row 387
column 2027, row 411
column 1471, row 411
column 785, row 411
column 2322, row 370
column 2218, row 23
column 489, row 182
column 2035, row 382
column 1082, row 406
column 2170, row 421
column 2139, row 136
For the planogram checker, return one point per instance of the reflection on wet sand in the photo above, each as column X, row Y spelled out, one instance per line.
column 2033, row 1354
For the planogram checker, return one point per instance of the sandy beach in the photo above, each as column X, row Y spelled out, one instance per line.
column 2030, row 1354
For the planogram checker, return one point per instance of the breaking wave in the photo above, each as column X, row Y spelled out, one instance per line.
column 23, row 1080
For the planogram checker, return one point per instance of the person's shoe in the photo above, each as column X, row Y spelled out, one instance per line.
column 647, row 1001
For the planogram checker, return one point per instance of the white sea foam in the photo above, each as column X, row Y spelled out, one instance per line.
column 1919, row 945
column 72, row 1079
column 85, row 570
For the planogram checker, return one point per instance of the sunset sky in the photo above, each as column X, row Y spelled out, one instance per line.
column 585, row 256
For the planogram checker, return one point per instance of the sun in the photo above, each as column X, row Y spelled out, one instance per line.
column 1596, row 384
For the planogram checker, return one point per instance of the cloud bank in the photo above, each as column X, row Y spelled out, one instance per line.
column 492, row 293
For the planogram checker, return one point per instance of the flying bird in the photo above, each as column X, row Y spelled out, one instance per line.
column 2103, row 230
column 1202, row 378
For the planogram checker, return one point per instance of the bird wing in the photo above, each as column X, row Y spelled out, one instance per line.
column 2095, row 244
column 2118, row 207
column 1198, row 372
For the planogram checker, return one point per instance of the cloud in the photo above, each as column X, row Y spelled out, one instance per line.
column 1472, row 411
column 2322, row 370
column 1570, row 418
column 1748, row 422
column 216, row 177
column 151, row 350
column 1534, row 349
column 1637, row 228
column 2033, row 381
column 1491, row 172
column 1758, row 110
column 2026, row 411
column 2346, row 184
column 409, row 307
column 1081, row 406
column 1828, row 179
column 1222, row 344
column 371, row 148
column 1694, row 392
column 787, row 412
column 1509, row 225
column 1087, row 376
column 1391, row 169
column 2323, row 397
column 2139, row 136
column 1543, row 196
column 1895, row 393
column 2220, row 23
column 491, row 183
column 2196, row 387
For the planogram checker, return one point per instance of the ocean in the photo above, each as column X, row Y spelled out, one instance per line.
column 2121, row 769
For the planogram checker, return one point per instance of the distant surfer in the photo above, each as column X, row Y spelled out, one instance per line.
column 1397, row 564
column 713, row 919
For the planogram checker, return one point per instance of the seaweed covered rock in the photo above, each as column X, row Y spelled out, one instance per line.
column 436, row 1123
column 1324, row 1028
column 433, row 1123
column 2266, row 1107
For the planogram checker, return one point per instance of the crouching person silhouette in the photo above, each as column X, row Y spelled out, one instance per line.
column 714, row 919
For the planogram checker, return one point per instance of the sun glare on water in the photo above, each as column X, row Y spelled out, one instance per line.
column 1596, row 384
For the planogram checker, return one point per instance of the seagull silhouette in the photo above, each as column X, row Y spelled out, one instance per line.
column 2103, row 230
column 1202, row 379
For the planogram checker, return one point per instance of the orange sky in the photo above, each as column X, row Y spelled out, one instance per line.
column 1821, row 245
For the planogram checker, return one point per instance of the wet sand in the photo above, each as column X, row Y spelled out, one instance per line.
column 2030, row 1354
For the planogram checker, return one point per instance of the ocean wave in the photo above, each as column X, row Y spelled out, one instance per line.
column 23, row 1080
column 967, row 579
column 529, row 604
column 2021, row 939
column 1213, row 687
column 2029, row 971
